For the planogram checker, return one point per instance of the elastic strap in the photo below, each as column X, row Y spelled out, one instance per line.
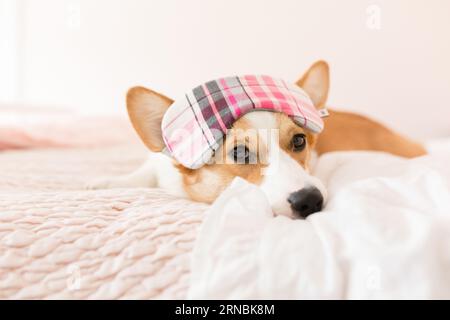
column 323, row 113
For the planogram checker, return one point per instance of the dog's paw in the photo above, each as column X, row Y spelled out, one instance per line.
column 101, row 183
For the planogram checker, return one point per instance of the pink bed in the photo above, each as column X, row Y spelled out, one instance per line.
column 58, row 240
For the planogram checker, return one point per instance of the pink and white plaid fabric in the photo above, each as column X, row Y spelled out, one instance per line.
column 194, row 126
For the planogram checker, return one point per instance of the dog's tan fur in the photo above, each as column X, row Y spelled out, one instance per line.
column 146, row 109
column 348, row 131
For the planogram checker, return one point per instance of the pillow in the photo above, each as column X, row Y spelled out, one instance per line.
column 23, row 127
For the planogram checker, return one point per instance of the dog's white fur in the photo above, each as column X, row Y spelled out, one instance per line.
column 157, row 172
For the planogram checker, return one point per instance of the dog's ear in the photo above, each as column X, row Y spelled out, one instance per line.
column 316, row 83
column 146, row 109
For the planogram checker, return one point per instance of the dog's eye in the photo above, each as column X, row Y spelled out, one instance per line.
column 240, row 155
column 298, row 142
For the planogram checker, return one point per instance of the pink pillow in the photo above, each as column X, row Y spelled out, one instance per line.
column 22, row 127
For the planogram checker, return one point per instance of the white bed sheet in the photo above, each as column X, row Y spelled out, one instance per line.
column 384, row 233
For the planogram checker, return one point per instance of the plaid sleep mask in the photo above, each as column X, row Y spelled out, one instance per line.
column 194, row 126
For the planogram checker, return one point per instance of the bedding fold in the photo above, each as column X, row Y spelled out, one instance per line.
column 383, row 234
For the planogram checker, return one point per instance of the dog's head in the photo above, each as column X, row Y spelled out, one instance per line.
column 265, row 148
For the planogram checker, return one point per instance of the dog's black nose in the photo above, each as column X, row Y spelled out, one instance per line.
column 306, row 201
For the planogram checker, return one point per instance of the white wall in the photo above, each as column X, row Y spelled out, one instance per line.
column 86, row 53
column 9, row 53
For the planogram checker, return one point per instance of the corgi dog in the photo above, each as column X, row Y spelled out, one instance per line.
column 290, row 187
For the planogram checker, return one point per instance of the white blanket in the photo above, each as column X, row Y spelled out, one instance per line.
column 384, row 233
